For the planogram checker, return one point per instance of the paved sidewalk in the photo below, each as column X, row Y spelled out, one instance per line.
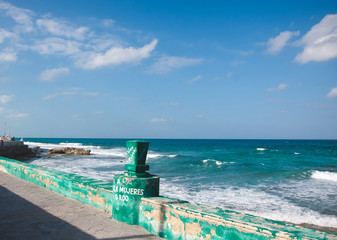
column 28, row 211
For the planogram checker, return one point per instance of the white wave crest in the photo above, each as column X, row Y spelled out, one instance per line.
column 152, row 154
column 261, row 149
column 97, row 150
column 330, row 176
column 114, row 152
column 84, row 166
column 42, row 145
column 210, row 162
column 71, row 144
column 250, row 201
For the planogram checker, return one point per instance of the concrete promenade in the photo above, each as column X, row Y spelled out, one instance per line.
column 28, row 211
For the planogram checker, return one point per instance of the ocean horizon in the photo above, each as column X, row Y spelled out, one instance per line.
column 281, row 179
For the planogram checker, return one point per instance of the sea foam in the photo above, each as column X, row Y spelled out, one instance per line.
column 152, row 154
column 250, row 201
column 211, row 162
column 308, row 198
column 117, row 152
column 320, row 175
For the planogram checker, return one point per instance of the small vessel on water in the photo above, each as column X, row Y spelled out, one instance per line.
column 7, row 140
column 11, row 148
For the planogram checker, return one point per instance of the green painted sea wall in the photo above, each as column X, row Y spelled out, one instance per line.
column 162, row 216
column 85, row 190
column 176, row 219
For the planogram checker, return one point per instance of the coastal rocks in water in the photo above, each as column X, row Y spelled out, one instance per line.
column 69, row 151
column 17, row 152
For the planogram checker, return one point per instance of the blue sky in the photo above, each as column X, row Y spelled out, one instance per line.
column 169, row 69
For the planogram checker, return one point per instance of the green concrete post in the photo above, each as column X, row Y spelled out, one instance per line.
column 134, row 184
column 137, row 151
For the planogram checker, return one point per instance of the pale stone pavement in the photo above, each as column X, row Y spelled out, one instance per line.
column 28, row 211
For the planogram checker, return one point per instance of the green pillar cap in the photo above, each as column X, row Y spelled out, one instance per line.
column 137, row 152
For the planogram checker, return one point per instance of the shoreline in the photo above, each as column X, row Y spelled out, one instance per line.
column 308, row 225
column 203, row 216
column 319, row 228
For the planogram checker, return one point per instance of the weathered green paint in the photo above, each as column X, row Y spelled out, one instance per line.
column 165, row 217
column 137, row 151
column 134, row 184
column 93, row 192
column 128, row 192
column 176, row 219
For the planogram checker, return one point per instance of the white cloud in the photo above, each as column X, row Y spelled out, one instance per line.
column 8, row 57
column 54, row 36
column 157, row 120
column 103, row 43
column 280, row 87
column 200, row 116
column 50, row 96
column 5, row 34
column 118, row 99
column 98, row 113
column 64, row 93
column 51, row 74
column 108, row 22
column 60, row 28
column 76, row 117
column 172, row 104
column 17, row 115
column 91, row 94
column 4, row 79
column 246, row 53
column 116, row 56
column 236, row 63
column 68, row 93
column 320, row 43
column 332, row 93
column 57, row 46
column 12, row 114
column 5, row 98
column 275, row 45
column 167, row 64
column 23, row 17
column 194, row 79
column 71, row 92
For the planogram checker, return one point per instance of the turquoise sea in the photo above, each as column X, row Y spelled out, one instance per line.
column 287, row 180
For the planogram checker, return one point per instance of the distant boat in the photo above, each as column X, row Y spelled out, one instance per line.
column 10, row 141
column 6, row 141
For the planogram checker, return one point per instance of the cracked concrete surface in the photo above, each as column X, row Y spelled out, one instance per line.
column 28, row 211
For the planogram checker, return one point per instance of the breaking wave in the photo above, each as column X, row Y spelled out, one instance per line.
column 320, row 175
column 250, row 201
column 213, row 162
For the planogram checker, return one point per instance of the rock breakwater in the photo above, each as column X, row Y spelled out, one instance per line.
column 69, row 151
column 17, row 152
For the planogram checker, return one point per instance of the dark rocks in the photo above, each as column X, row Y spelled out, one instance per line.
column 23, row 152
column 19, row 152
column 69, row 151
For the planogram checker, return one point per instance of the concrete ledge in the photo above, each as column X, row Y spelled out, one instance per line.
column 165, row 217
column 86, row 190
column 175, row 219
